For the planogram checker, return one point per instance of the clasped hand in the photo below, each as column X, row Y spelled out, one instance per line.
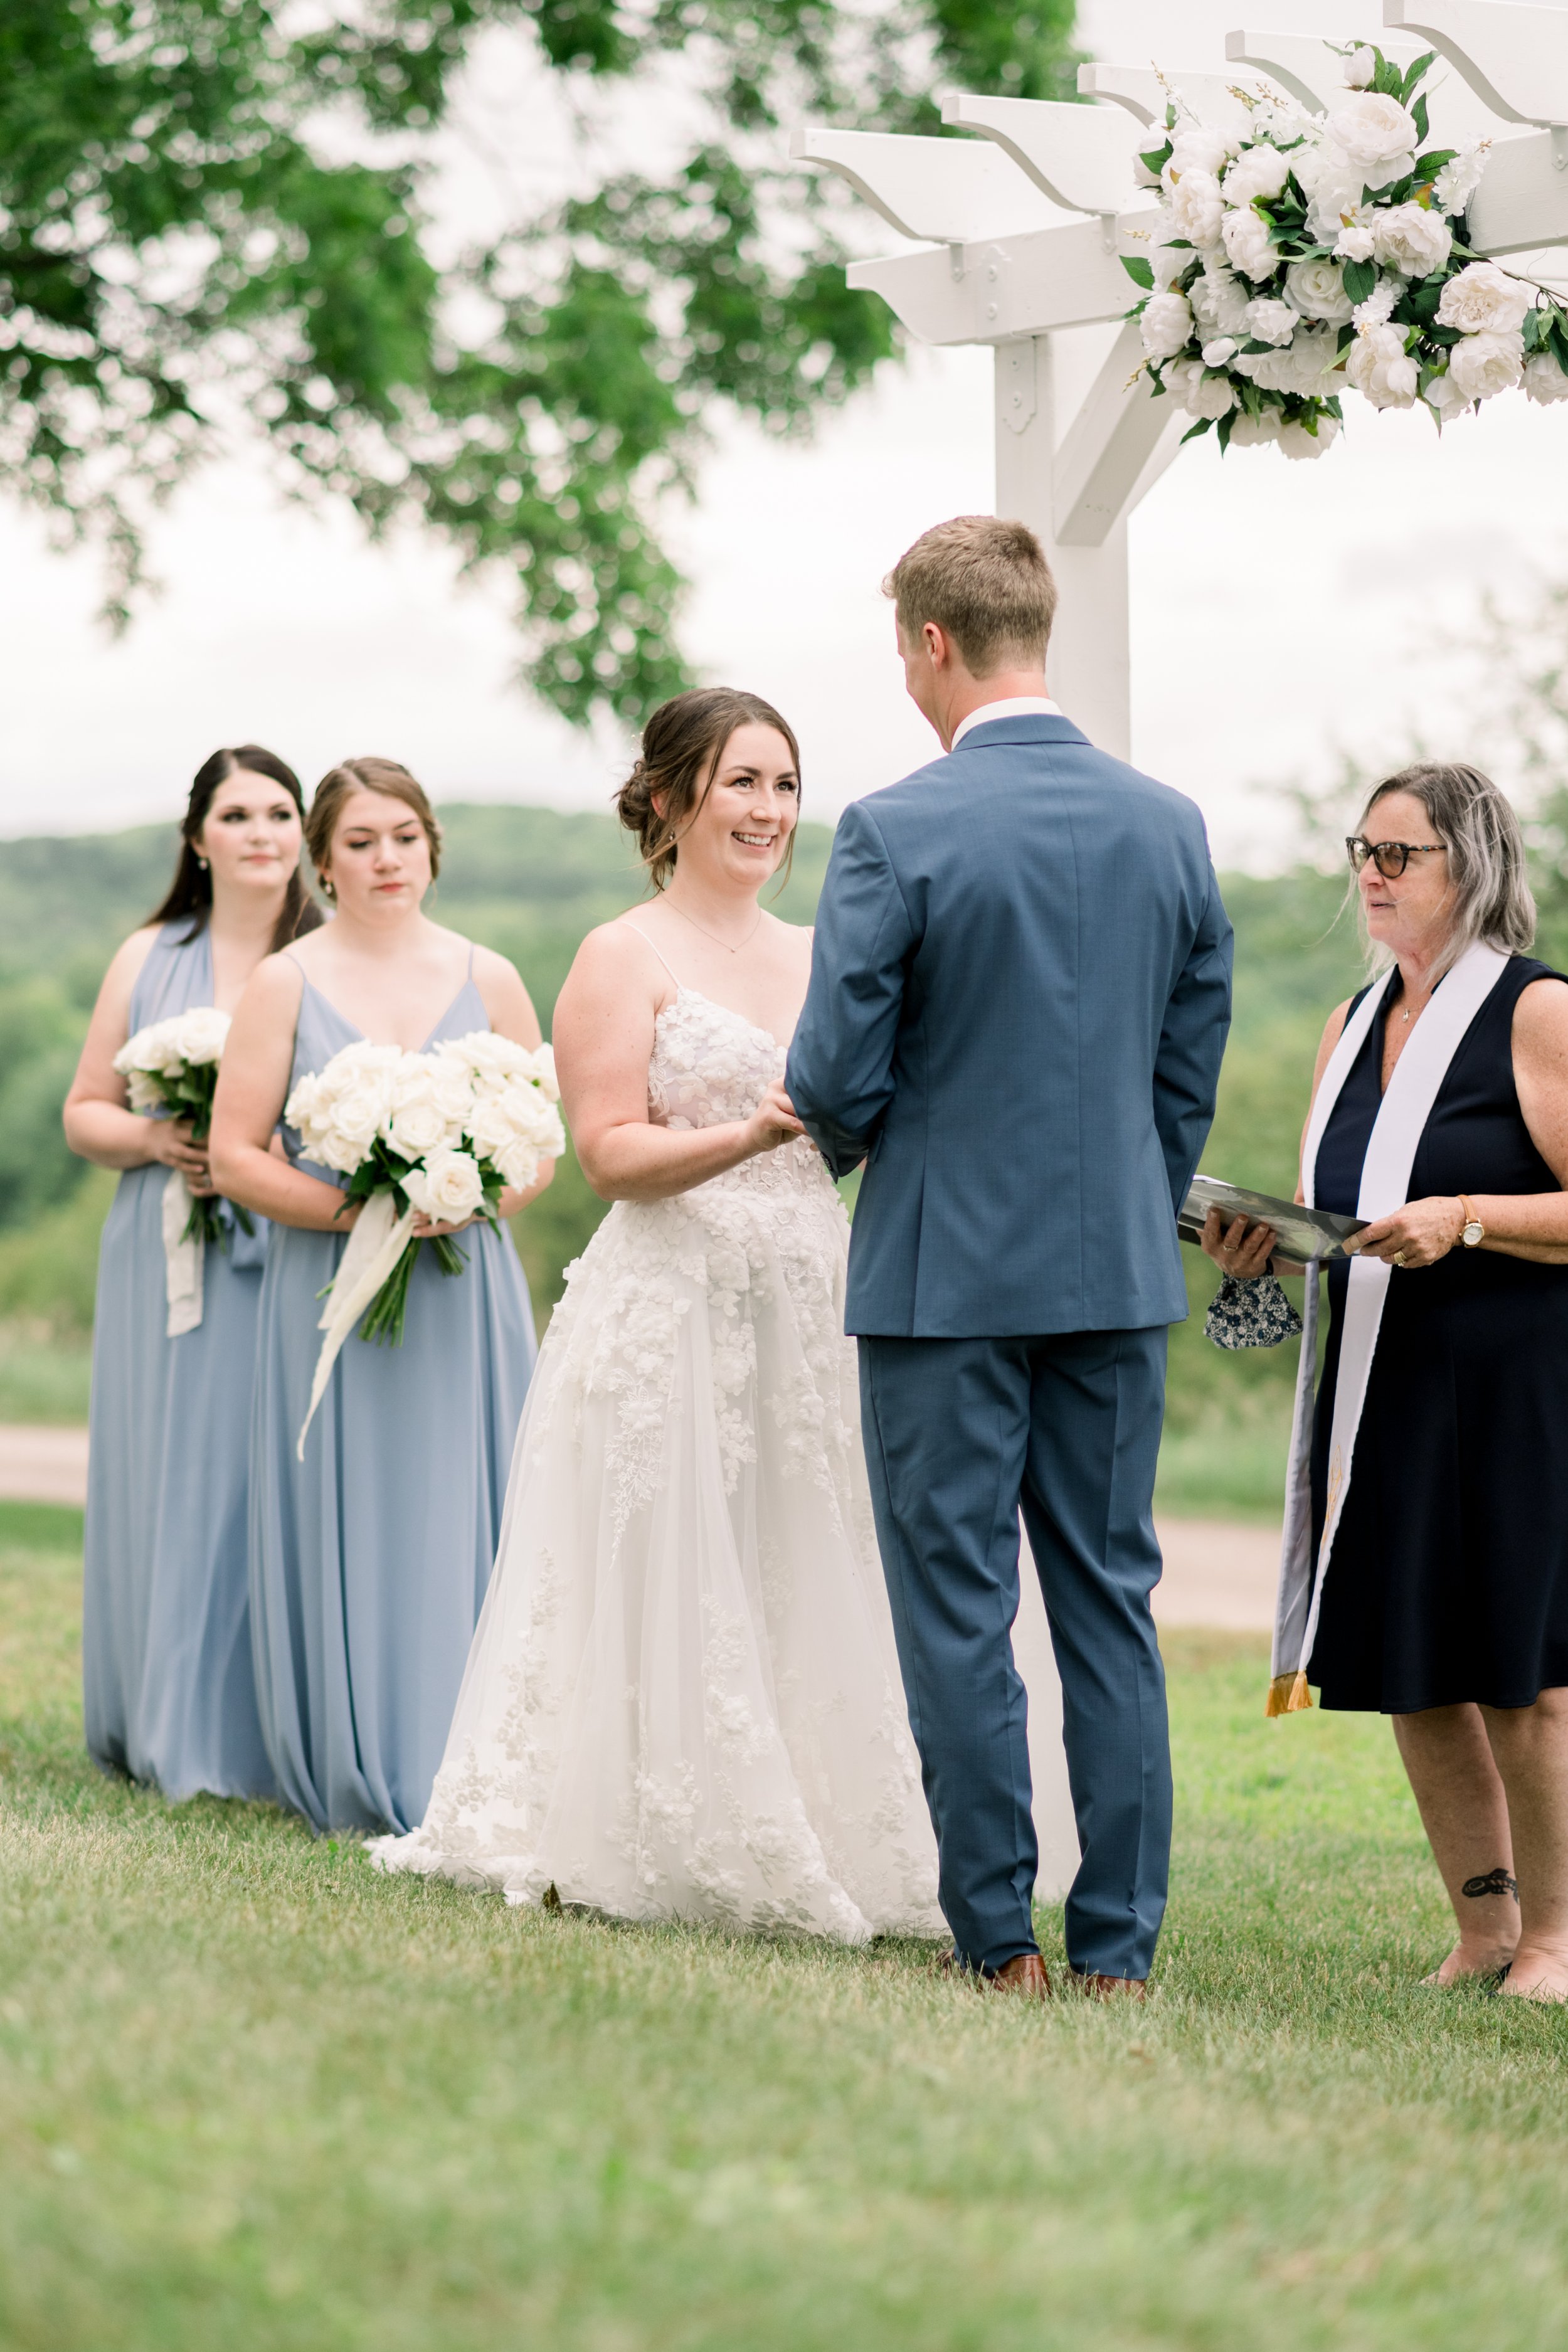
column 169, row 1140
column 772, row 1123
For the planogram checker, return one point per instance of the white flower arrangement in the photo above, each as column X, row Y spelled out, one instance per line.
column 1306, row 252
column 171, row 1066
column 441, row 1133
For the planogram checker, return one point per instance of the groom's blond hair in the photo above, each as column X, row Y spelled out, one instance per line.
column 984, row 582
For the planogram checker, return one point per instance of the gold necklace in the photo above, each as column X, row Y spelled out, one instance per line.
column 706, row 934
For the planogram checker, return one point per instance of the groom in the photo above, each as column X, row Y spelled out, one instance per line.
column 1019, row 997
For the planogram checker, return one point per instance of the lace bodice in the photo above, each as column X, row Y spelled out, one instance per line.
column 710, row 1064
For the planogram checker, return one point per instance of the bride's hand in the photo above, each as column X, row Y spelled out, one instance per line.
column 772, row 1123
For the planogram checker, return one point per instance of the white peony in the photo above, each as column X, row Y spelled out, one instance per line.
column 1253, row 432
column 1381, row 370
column 1380, row 304
column 1443, row 398
column 1198, row 208
column 1210, row 395
column 1258, row 173
column 1167, row 262
column 1375, row 134
column 1197, row 149
column 1221, row 351
column 1220, row 299
column 1166, row 325
column 448, row 1188
column 1456, row 183
column 1354, row 228
column 1296, row 441
column 1544, row 380
column 1271, row 321
column 1408, row 237
column 1302, row 368
column 1248, row 246
column 1360, row 67
column 1483, row 365
column 1317, row 290
column 1485, row 300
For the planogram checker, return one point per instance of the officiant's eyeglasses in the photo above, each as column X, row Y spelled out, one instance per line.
column 1390, row 856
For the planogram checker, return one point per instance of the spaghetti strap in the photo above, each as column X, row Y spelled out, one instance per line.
column 470, row 971
column 622, row 924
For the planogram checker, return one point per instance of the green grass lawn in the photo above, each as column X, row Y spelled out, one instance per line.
column 252, row 2095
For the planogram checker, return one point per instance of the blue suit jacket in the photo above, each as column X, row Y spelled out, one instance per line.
column 1019, row 998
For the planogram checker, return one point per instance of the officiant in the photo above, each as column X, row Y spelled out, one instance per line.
column 1430, row 1578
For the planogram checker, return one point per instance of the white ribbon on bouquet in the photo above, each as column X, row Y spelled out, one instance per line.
column 184, row 1258
column 1385, row 1187
column 376, row 1241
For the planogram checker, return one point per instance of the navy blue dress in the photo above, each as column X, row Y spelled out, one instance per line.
column 1448, row 1578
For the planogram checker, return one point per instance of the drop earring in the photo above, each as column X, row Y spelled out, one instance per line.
column 327, row 889
column 202, row 864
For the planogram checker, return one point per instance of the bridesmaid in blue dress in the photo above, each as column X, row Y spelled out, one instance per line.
column 168, row 1685
column 369, row 1560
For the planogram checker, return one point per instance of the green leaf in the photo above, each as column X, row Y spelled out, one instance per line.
column 1360, row 278
column 1139, row 271
column 1418, row 116
column 1412, row 75
column 1535, row 329
column 1427, row 166
column 1193, row 431
column 1222, row 430
column 1157, row 158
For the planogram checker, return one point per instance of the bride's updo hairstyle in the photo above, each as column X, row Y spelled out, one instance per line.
column 191, row 891
column 368, row 775
column 681, row 747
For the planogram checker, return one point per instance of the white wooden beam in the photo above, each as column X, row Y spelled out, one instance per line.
column 1080, row 155
column 1522, row 201
column 949, row 191
column 1141, row 92
column 990, row 293
column 1106, row 450
column 1514, row 58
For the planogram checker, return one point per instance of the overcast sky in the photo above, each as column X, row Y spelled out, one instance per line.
column 1279, row 609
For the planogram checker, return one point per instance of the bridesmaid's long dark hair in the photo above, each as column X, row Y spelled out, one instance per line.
column 191, row 891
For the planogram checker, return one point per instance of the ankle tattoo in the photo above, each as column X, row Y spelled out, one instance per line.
column 1496, row 1882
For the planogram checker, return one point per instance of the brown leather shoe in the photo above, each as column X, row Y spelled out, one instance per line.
column 1101, row 1987
column 1025, row 1975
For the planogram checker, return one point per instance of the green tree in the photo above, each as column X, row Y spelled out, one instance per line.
column 176, row 251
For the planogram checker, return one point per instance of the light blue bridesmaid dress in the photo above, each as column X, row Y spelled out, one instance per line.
column 169, row 1688
column 369, row 1560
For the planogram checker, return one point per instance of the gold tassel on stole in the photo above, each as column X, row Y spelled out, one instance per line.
column 1287, row 1695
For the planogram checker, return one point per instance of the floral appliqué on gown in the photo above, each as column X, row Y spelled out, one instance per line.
column 683, row 1699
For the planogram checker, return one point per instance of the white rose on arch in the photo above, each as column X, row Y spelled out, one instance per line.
column 1257, row 172
column 1197, row 149
column 1374, row 134
column 1166, row 326
column 1271, row 321
column 1409, row 238
column 1296, row 441
column 1483, row 365
column 1485, row 300
column 1248, row 246
column 1317, row 290
column 1544, row 380
column 1381, row 370
column 1254, row 432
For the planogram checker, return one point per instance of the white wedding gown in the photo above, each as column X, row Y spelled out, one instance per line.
column 683, row 1699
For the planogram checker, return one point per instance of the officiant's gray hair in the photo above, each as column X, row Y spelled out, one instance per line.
column 1476, row 823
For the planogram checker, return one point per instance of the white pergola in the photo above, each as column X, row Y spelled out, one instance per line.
column 1020, row 230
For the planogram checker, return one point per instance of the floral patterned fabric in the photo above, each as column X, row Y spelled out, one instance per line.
column 683, row 1699
column 1254, row 1314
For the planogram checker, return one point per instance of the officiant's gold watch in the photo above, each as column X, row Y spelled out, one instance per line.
column 1473, row 1233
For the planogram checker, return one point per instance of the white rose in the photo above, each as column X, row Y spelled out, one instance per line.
column 1257, row 172
column 1166, row 325
column 1483, row 365
column 1360, row 67
column 1544, row 380
column 448, row 1188
column 1354, row 231
column 545, row 1076
column 1270, row 322
column 1220, row 299
column 343, row 1152
column 1296, row 441
column 1410, row 238
column 519, row 1164
column 417, row 1126
column 1210, row 395
column 1247, row 243
column 301, row 1109
column 1198, row 208
column 357, row 1113
column 155, row 1049
column 1253, row 432
column 496, row 1121
column 1221, row 351
column 1484, row 301
column 1196, row 149
column 1381, row 370
column 1167, row 262
column 1300, row 369
column 1374, row 132
column 1317, row 290
column 201, row 1035
column 1456, row 183
column 143, row 1091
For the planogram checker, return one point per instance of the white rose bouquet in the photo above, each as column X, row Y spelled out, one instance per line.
column 172, row 1066
column 439, row 1135
column 1303, row 252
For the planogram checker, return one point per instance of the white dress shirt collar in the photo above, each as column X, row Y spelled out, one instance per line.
column 1016, row 706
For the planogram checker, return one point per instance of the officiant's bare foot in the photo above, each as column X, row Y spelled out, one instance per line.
column 1467, row 1961
column 1025, row 1975
column 1540, row 1972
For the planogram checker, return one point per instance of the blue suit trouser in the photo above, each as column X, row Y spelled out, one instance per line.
column 959, row 1433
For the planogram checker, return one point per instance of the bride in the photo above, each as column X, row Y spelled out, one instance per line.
column 683, row 1699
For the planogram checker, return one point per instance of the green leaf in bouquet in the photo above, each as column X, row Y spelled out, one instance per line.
column 1139, row 270
column 1423, row 127
column 1222, row 430
column 1534, row 330
column 1427, row 166
column 1415, row 75
column 1157, row 158
column 1194, row 431
column 1360, row 279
